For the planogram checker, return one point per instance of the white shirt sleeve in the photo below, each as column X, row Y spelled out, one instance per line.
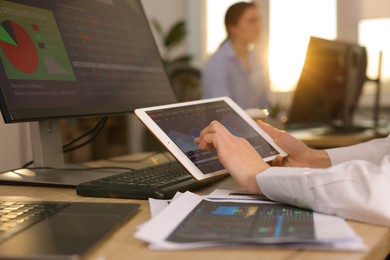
column 372, row 151
column 358, row 190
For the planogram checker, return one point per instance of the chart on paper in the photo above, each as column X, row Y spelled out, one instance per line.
column 232, row 221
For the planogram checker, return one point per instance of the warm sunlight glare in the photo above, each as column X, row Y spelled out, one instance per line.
column 371, row 35
column 291, row 25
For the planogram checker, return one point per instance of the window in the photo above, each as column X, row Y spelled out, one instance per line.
column 373, row 34
column 291, row 25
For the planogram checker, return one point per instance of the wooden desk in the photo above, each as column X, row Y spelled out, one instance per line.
column 122, row 245
column 316, row 138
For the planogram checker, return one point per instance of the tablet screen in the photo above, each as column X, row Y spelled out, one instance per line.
column 183, row 125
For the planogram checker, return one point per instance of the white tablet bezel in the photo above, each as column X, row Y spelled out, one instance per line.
column 175, row 150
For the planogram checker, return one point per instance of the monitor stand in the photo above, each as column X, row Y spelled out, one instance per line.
column 49, row 167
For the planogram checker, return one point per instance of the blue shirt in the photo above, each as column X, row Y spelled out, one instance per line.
column 224, row 75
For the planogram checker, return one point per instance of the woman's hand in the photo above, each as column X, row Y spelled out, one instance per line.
column 243, row 162
column 236, row 154
column 299, row 155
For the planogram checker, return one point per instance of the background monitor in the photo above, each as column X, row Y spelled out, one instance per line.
column 72, row 58
column 330, row 85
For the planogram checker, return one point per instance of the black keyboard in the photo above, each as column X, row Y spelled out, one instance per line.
column 17, row 216
column 160, row 182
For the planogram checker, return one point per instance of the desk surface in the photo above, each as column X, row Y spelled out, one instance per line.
column 317, row 138
column 122, row 245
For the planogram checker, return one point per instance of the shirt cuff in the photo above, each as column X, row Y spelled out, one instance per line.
column 286, row 185
column 339, row 155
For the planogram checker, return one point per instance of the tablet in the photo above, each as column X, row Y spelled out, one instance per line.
column 177, row 125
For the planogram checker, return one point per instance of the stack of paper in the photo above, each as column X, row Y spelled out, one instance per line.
column 226, row 218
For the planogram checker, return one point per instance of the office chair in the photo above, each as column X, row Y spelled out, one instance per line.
column 185, row 80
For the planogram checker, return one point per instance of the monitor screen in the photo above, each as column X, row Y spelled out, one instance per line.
column 330, row 84
column 66, row 58
column 73, row 58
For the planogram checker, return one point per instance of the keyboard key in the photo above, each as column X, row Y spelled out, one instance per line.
column 18, row 216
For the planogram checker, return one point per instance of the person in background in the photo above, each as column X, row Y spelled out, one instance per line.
column 235, row 70
column 350, row 182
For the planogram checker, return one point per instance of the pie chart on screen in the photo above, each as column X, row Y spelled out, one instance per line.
column 18, row 47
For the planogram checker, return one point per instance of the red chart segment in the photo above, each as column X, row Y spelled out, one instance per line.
column 18, row 47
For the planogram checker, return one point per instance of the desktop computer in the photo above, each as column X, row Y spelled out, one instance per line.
column 329, row 87
column 68, row 59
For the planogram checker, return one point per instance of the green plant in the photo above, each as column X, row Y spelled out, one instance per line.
column 170, row 39
column 276, row 109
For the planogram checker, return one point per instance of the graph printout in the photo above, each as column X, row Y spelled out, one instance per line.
column 232, row 221
column 184, row 124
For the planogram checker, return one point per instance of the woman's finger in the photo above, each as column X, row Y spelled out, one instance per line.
column 278, row 161
column 270, row 130
column 214, row 127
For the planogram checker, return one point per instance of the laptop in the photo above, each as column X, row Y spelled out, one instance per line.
column 57, row 230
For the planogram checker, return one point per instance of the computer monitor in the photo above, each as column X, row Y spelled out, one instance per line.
column 73, row 58
column 330, row 85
